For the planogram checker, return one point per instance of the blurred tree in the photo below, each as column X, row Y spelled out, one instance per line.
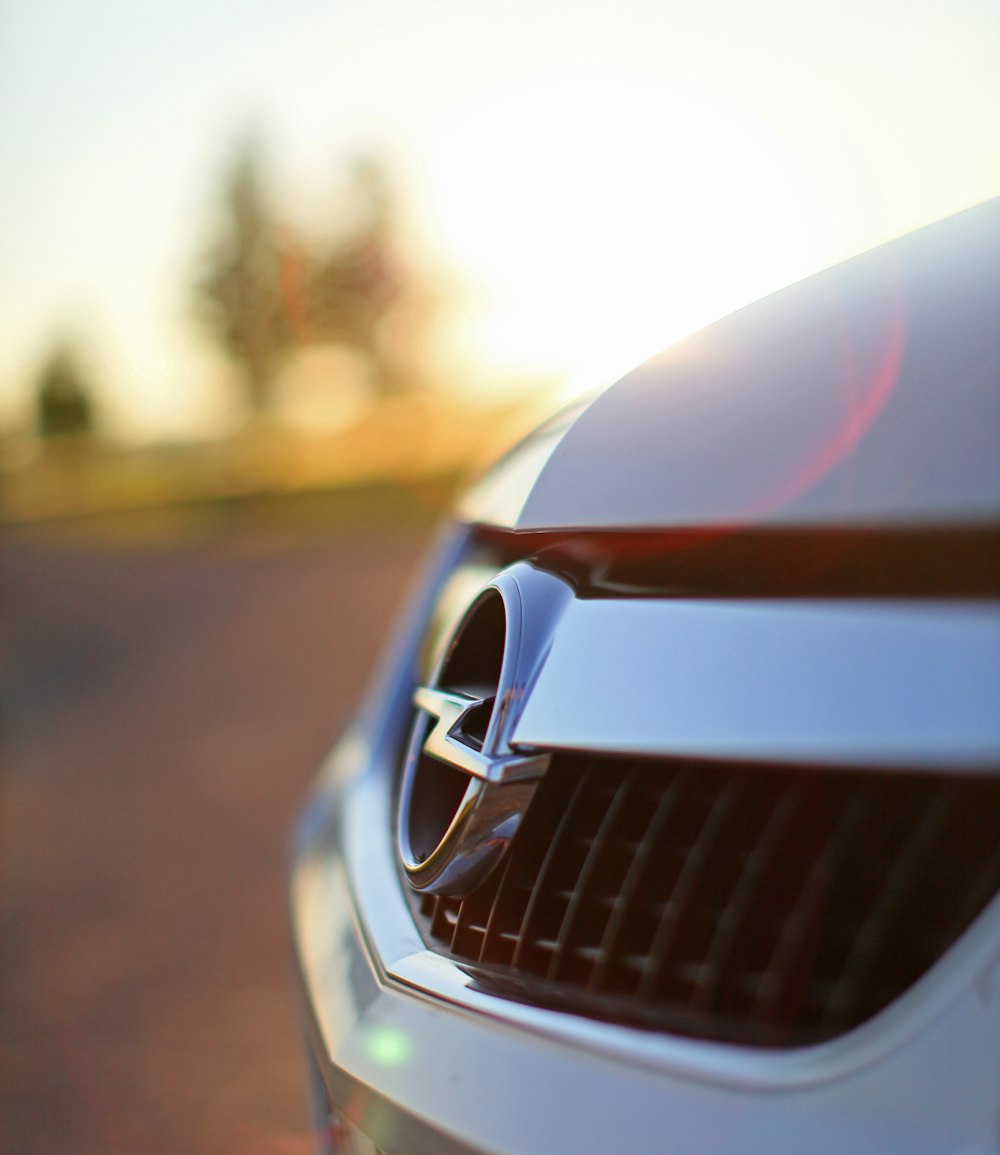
column 239, row 292
column 263, row 291
column 361, row 294
column 63, row 396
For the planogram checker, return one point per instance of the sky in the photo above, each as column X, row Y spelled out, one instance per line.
column 601, row 176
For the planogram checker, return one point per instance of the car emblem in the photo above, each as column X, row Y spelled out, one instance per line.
column 465, row 788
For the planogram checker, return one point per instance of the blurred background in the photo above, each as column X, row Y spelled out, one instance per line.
column 273, row 280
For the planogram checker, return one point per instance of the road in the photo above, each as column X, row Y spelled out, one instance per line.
column 163, row 714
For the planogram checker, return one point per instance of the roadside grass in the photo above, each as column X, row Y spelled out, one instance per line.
column 264, row 520
column 265, row 487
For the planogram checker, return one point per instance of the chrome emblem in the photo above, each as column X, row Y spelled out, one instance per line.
column 444, row 744
column 465, row 788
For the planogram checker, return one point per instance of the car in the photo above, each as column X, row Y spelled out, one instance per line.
column 672, row 820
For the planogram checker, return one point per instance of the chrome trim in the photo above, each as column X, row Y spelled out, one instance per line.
column 476, row 838
column 501, row 779
column 913, row 685
column 450, row 709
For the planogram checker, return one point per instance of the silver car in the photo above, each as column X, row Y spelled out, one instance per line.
column 672, row 822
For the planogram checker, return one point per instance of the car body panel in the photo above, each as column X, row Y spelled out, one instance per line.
column 830, row 402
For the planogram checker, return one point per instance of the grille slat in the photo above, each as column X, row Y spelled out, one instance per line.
column 803, row 924
column 882, row 918
column 740, row 907
column 629, row 897
column 978, row 895
column 761, row 905
column 711, row 829
column 581, row 895
column 547, row 865
column 498, row 943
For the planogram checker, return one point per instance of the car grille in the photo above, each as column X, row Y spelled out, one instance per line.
column 766, row 906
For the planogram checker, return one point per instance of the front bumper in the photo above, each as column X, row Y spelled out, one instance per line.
column 409, row 1051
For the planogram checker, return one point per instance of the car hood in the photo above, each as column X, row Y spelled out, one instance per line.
column 866, row 395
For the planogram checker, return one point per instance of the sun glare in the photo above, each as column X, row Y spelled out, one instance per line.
column 611, row 219
column 578, row 182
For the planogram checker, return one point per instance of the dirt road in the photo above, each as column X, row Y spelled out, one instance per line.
column 163, row 714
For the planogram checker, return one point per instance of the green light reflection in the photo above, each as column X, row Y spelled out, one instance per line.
column 389, row 1047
